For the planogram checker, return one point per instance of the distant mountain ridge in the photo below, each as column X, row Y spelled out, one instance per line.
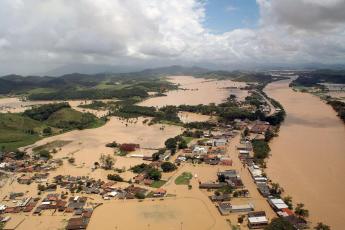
column 14, row 83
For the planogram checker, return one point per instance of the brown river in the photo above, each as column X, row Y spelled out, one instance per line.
column 308, row 157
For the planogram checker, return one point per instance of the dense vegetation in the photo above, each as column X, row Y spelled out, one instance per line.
column 167, row 113
column 261, row 149
column 43, row 112
column 339, row 107
column 280, row 224
column 90, row 94
column 151, row 172
column 314, row 78
column 84, row 86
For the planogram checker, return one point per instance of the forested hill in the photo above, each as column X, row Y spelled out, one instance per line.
column 112, row 85
column 314, row 78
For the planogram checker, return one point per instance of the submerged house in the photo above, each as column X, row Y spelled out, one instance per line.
column 257, row 220
column 227, row 208
column 277, row 204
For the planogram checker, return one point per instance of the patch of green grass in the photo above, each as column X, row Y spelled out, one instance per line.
column 40, row 90
column 187, row 139
column 158, row 183
column 184, row 178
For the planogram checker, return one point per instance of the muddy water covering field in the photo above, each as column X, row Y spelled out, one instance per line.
column 308, row 157
column 16, row 105
column 191, row 208
column 196, row 91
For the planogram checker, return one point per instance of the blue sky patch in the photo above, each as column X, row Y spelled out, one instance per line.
column 226, row 15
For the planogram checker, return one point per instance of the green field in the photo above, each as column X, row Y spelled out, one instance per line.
column 158, row 183
column 184, row 178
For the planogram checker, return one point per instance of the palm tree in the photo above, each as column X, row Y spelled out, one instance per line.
column 288, row 201
column 301, row 211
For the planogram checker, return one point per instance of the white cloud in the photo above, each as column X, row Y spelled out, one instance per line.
column 36, row 34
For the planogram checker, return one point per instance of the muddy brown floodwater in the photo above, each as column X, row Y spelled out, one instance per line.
column 195, row 91
column 308, row 157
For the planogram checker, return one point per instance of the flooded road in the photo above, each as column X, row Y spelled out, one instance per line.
column 308, row 157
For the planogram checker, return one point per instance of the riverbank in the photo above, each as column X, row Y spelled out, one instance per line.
column 308, row 156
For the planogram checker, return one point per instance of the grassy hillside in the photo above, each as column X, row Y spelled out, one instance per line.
column 68, row 119
column 17, row 130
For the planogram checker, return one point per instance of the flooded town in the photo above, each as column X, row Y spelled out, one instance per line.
column 88, row 177
column 172, row 114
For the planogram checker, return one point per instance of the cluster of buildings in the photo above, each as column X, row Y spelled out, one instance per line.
column 261, row 181
column 211, row 151
column 76, row 206
column 10, row 163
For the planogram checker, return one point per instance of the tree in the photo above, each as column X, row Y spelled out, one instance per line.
column 115, row 177
column 168, row 167
column 322, row 226
column 276, row 189
column 288, row 201
column 261, row 149
column 268, row 135
column 279, row 224
column 155, row 156
column 47, row 131
column 246, row 132
column 140, row 168
column 182, row 144
column 19, row 155
column 154, row 174
column 107, row 161
column 170, row 143
column 301, row 211
column 232, row 97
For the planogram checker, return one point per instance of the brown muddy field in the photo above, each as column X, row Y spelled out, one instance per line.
column 308, row 157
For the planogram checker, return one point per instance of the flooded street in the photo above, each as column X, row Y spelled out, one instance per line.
column 308, row 157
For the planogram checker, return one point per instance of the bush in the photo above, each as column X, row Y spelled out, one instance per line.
column 112, row 145
column 140, row 168
column 168, row 167
column 44, row 154
column 71, row 160
column 140, row 195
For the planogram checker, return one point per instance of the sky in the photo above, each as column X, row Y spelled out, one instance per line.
column 37, row 36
